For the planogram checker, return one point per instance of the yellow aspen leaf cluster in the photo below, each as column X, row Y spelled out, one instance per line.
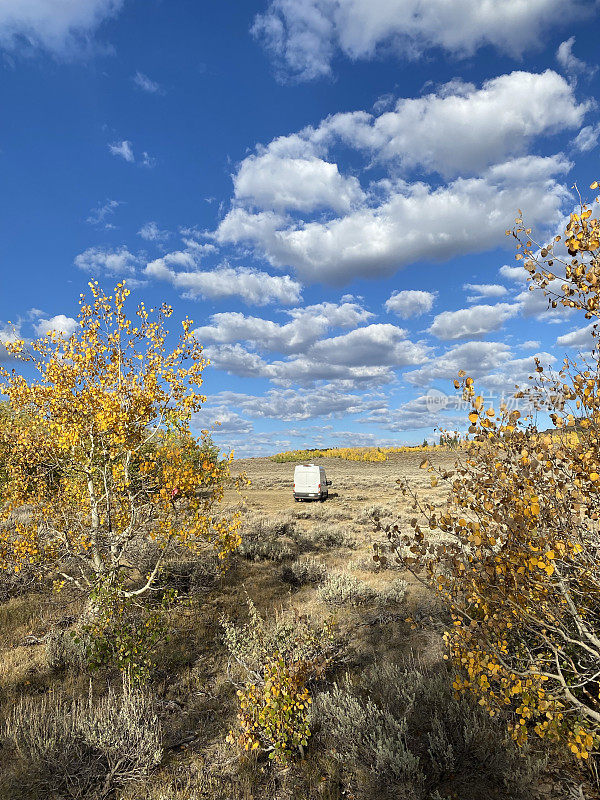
column 367, row 454
column 97, row 454
column 516, row 552
column 274, row 715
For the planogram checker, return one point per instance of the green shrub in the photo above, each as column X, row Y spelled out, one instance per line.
column 123, row 632
column 67, row 650
column 303, row 572
column 254, row 548
column 328, row 537
column 401, row 733
column 268, row 539
column 273, row 663
column 393, row 592
column 341, row 589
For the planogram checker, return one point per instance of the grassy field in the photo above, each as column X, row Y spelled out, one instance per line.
column 302, row 562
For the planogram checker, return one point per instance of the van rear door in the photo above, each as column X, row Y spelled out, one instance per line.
column 306, row 481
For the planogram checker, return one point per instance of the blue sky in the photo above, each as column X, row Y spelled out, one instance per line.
column 322, row 185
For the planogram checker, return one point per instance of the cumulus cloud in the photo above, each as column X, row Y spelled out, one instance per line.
column 289, row 405
column 62, row 27
column 302, row 184
column 222, row 420
column 364, row 357
column 374, row 345
column 103, row 261
column 298, row 371
column 303, row 36
column 144, row 83
column 152, row 233
column 490, row 363
column 251, row 285
column 479, row 358
column 459, row 129
column 534, row 303
column 581, row 339
column 307, row 325
column 569, row 62
column 410, row 303
column 484, row 290
column 417, row 414
column 60, row 323
column 516, row 373
column 123, row 149
column 348, row 231
column 376, row 240
column 471, row 323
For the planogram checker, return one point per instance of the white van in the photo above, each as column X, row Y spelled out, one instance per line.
column 310, row 483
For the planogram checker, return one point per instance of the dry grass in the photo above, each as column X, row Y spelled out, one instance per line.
column 194, row 699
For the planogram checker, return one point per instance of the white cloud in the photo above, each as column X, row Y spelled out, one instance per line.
column 587, row 138
column 251, row 285
column 306, row 327
column 531, row 299
column 484, row 290
column 536, row 304
column 477, row 358
column 102, row 213
column 236, row 360
column 417, row 414
column 222, row 420
column 303, row 36
column 123, row 149
column 517, row 274
column 471, row 323
column 304, row 184
column 299, row 371
column 376, row 240
column 460, row 129
column 60, row 323
column 144, row 83
column 374, row 345
column 99, row 260
column 410, row 303
column 569, row 62
column 515, row 372
column 62, row 27
column 289, row 405
column 490, row 363
column 363, row 357
column 152, row 233
column 580, row 339
column 530, row 344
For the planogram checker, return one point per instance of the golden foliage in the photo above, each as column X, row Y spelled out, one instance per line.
column 88, row 448
column 369, row 454
column 517, row 549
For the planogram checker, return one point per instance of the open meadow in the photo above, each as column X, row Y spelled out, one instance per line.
column 303, row 586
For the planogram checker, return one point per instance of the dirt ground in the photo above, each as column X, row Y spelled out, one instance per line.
column 355, row 485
